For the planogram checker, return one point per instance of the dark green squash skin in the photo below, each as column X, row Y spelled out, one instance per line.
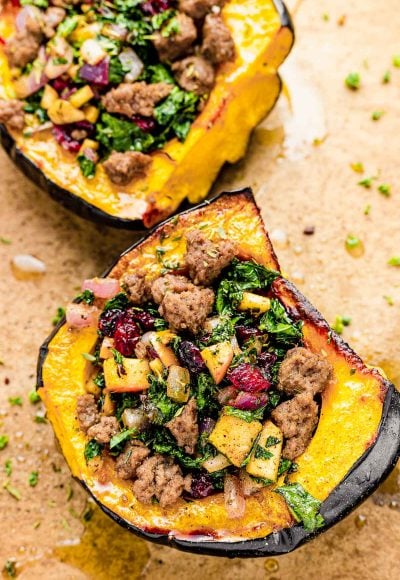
column 362, row 480
column 73, row 202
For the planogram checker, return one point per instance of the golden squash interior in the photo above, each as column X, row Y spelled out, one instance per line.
column 350, row 414
column 246, row 89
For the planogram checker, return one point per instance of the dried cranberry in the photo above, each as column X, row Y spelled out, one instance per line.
column 246, row 332
column 126, row 335
column 245, row 377
column 108, row 321
column 146, row 124
column 155, row 6
column 249, row 401
column 61, row 84
column 190, row 357
column 145, row 319
column 201, row 486
column 266, row 361
column 65, row 140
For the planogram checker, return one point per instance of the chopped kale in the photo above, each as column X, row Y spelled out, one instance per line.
column 99, row 380
column 278, row 323
column 119, row 302
column 121, row 437
column 176, row 113
column 116, row 71
column 125, row 401
column 85, row 296
column 241, row 276
column 304, row 507
column 119, row 135
column 88, row 167
column 205, row 391
column 286, row 466
column 157, row 395
column 247, row 416
column 272, row 441
column 33, row 478
column 217, row 478
column 92, row 449
column 164, row 443
column 261, row 453
column 159, row 73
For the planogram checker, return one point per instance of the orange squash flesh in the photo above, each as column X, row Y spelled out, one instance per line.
column 246, row 89
column 350, row 414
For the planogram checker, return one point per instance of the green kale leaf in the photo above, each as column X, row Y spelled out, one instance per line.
column 119, row 135
column 278, row 323
column 304, row 507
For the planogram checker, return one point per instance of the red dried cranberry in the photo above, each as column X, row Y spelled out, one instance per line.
column 245, row 377
column 265, row 362
column 145, row 319
column 201, row 486
column 190, row 357
column 249, row 401
column 61, row 84
column 126, row 335
column 155, row 6
column 108, row 321
column 146, row 124
column 246, row 332
column 65, row 140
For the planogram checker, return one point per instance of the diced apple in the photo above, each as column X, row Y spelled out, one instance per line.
column 61, row 112
column 92, row 52
column 269, row 444
column 211, row 323
column 91, row 113
column 218, row 358
column 216, row 463
column 159, row 342
column 130, row 375
column 106, row 347
column 49, row 96
column 254, row 302
column 81, row 96
column 234, row 437
column 178, row 384
column 157, row 367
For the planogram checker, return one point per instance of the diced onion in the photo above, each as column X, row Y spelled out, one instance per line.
column 131, row 62
column 102, row 287
column 235, row 502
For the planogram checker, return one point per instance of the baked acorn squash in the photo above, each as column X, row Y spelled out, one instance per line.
column 354, row 447
column 245, row 90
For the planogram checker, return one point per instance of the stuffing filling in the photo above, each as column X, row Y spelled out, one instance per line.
column 201, row 380
column 113, row 80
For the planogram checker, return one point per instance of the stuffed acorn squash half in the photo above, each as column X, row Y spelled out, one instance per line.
column 122, row 110
column 204, row 403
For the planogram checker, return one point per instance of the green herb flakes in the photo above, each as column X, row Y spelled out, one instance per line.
column 366, row 182
column 92, row 449
column 12, row 491
column 10, row 569
column 389, row 300
column 352, row 242
column 261, row 453
column 386, row 77
column 353, row 81
column 4, row 439
column 340, row 323
column 8, row 467
column 15, row 401
column 33, row 478
column 396, row 60
column 394, row 261
column 385, row 189
column 376, row 115
column 33, row 397
column 357, row 167
column 59, row 315
column 121, row 437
